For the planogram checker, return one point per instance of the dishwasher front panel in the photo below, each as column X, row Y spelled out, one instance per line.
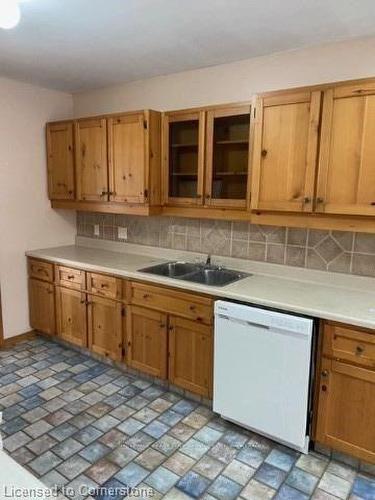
column 261, row 371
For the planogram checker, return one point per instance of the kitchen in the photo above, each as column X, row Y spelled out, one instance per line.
column 187, row 276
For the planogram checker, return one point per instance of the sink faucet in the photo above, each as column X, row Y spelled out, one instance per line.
column 208, row 260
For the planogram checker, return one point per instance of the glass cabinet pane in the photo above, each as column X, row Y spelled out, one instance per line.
column 183, row 159
column 230, row 156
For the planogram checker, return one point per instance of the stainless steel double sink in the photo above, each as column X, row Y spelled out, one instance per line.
column 205, row 274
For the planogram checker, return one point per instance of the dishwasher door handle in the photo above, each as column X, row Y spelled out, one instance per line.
column 244, row 322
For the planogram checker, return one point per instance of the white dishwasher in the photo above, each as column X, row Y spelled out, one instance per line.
column 262, row 364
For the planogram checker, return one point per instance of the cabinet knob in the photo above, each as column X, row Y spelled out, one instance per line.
column 324, row 388
column 306, row 200
column 192, row 308
column 264, row 153
column 359, row 350
column 325, row 373
column 146, row 296
column 170, row 328
column 372, row 203
column 319, row 200
column 71, row 277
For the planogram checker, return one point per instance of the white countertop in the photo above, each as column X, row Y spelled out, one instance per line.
column 338, row 297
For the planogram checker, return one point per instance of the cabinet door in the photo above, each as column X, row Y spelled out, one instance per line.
column 147, row 341
column 60, row 161
column 190, row 355
column 91, row 160
column 346, row 176
column 227, row 157
column 127, row 158
column 71, row 316
column 285, row 152
column 346, row 412
column 183, row 158
column 42, row 306
column 105, row 327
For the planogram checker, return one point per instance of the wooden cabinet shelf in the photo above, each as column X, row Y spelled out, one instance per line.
column 187, row 145
column 233, row 142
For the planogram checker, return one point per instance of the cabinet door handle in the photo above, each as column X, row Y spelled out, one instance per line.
column 170, row 328
column 146, row 296
column 70, row 277
column 264, row 153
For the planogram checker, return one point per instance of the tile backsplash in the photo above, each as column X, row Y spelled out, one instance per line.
column 337, row 251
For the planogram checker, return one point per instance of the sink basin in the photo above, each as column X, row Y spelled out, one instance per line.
column 171, row 269
column 215, row 277
column 196, row 273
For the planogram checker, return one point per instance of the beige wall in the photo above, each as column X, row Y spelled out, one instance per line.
column 235, row 81
column 26, row 219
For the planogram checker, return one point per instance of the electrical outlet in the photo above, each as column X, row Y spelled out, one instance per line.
column 96, row 230
column 122, row 233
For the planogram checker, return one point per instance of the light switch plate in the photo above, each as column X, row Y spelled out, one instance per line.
column 96, row 230
column 122, row 233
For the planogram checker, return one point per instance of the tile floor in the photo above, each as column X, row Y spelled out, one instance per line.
column 74, row 421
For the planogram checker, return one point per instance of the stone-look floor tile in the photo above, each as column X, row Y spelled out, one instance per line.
column 364, row 488
column 63, row 431
column 94, row 452
column 283, row 461
column 122, row 455
column 234, row 439
column 106, row 423
column 41, row 444
column 208, row 436
column 101, row 471
column 312, row 464
column 323, row 495
column 15, row 441
column 167, row 445
column 122, row 412
column 334, row 485
column 88, row 435
column 160, row 405
column 341, row 470
column 113, row 438
column 223, row 452
column 23, row 455
column 156, row 429
column 175, row 494
column 146, row 415
column 44, row 463
column 99, row 409
column 239, row 472
column 194, row 449
column 182, row 432
column 82, row 486
column 38, row 428
column 270, row 475
column 251, row 456
column 179, row 463
column 224, row 488
column 132, row 474
column 162, row 479
column 54, row 480
column 257, row 491
column 208, row 467
column 195, row 420
column 193, row 484
column 288, row 493
column 302, row 480
column 140, row 441
column 72, row 467
column 58, row 417
column 150, row 459
column 131, row 426
column 67, row 448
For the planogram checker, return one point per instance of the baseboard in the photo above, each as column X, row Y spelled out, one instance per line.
column 18, row 338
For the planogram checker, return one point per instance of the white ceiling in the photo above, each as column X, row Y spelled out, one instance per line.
column 76, row 45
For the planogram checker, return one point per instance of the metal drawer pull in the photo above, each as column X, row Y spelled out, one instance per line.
column 71, row 277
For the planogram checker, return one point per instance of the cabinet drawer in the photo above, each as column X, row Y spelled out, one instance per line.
column 70, row 278
column 350, row 344
column 169, row 300
column 104, row 285
column 40, row 269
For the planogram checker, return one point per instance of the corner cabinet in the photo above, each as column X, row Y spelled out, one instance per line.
column 112, row 165
column 206, row 157
column 285, row 151
column 346, row 391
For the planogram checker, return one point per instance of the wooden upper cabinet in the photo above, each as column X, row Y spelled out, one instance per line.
column 127, row 158
column 227, row 156
column 285, row 151
column 183, row 158
column 346, row 177
column 91, row 159
column 60, row 161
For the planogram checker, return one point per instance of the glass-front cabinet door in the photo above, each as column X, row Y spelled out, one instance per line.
column 227, row 156
column 183, row 158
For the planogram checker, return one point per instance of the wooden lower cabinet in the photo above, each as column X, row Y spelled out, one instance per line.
column 71, row 316
column 190, row 355
column 146, row 340
column 105, row 327
column 346, row 409
column 42, row 306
